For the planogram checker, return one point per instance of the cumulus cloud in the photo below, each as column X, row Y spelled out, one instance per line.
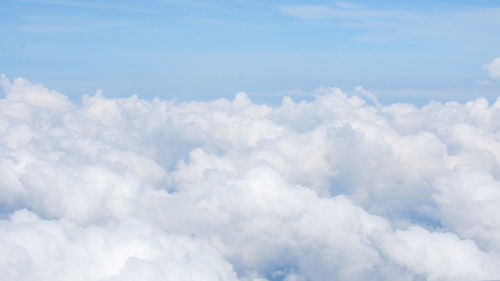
column 37, row 249
column 493, row 68
column 334, row 188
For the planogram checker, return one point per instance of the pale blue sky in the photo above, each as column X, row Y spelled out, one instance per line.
column 402, row 51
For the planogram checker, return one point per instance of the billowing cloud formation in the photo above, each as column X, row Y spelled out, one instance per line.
column 336, row 188
column 34, row 249
column 493, row 68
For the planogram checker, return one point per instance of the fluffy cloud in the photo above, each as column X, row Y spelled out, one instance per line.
column 333, row 188
column 36, row 249
column 493, row 68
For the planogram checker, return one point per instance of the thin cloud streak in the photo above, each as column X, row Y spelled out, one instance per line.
column 438, row 24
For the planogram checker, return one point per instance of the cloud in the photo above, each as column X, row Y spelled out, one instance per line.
column 394, row 24
column 466, row 187
column 493, row 68
column 309, row 12
column 37, row 95
column 332, row 188
column 62, row 250
column 347, row 12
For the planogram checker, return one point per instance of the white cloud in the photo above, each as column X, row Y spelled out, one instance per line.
column 35, row 249
column 333, row 188
column 22, row 90
column 468, row 201
column 439, row 256
column 493, row 68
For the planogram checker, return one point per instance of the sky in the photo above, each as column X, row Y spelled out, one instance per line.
column 402, row 51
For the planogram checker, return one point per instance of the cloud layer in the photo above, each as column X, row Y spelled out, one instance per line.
column 337, row 188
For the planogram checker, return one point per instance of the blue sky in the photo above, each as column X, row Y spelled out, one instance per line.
column 401, row 51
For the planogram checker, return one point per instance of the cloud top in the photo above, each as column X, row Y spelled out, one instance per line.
column 335, row 188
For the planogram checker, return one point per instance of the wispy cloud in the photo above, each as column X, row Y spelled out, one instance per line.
column 142, row 6
column 48, row 24
column 348, row 5
column 456, row 22
column 341, row 12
